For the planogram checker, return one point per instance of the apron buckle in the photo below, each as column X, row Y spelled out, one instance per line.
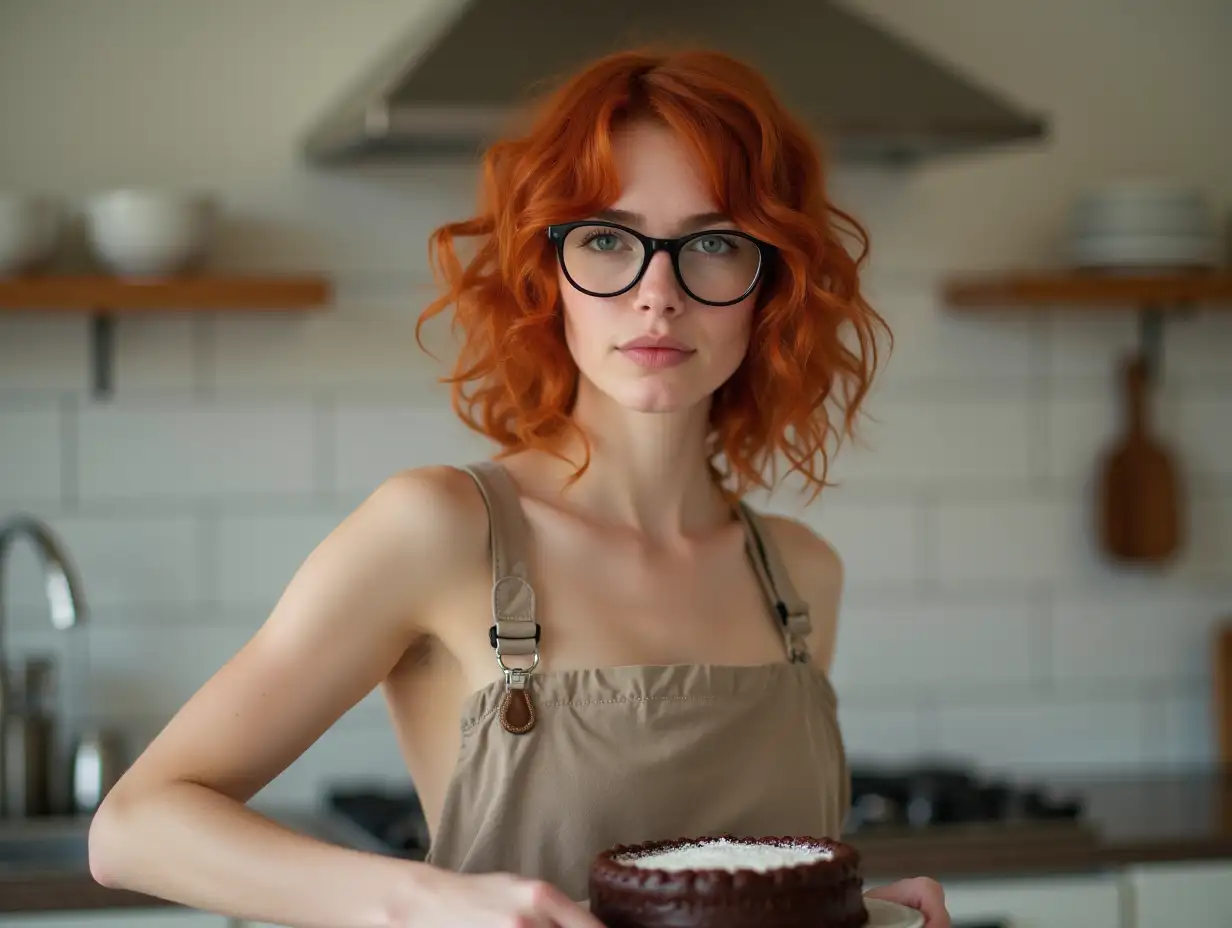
column 516, row 678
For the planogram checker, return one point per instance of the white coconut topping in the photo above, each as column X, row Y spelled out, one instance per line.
column 724, row 854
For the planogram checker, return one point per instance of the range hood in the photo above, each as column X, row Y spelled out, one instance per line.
column 451, row 85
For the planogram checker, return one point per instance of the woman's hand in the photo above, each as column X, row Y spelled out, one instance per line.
column 919, row 893
column 496, row 900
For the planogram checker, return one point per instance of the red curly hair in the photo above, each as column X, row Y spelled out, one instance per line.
column 515, row 380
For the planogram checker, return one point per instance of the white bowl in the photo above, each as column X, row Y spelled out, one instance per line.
column 1142, row 207
column 30, row 228
column 148, row 232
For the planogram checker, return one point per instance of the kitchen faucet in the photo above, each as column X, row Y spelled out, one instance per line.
column 67, row 608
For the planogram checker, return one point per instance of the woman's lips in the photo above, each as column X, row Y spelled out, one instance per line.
column 656, row 351
column 656, row 357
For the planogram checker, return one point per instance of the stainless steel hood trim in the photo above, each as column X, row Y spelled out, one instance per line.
column 458, row 78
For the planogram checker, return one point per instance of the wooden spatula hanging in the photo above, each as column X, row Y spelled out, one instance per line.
column 1140, row 501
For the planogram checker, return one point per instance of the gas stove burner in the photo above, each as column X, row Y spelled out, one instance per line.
column 929, row 795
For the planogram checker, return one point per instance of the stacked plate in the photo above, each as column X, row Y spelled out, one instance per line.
column 1143, row 225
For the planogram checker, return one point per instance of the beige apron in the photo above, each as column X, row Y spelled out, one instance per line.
column 633, row 753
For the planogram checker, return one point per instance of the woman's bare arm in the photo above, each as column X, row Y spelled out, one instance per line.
column 176, row 826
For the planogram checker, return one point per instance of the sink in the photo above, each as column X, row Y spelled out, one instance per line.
column 61, row 844
column 50, row 844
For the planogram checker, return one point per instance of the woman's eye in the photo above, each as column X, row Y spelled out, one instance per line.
column 712, row 245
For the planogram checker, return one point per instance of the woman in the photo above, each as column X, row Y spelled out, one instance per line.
column 658, row 308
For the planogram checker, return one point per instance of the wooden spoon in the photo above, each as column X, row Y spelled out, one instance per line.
column 1140, row 500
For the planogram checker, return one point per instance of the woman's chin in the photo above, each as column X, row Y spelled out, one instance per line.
column 658, row 392
column 658, row 398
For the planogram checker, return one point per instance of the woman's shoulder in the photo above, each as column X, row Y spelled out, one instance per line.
column 801, row 545
column 816, row 570
column 437, row 508
column 419, row 531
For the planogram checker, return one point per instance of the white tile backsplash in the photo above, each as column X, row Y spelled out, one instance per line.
column 150, row 671
column 156, row 353
column 878, row 542
column 344, row 348
column 257, row 555
column 906, row 646
column 1201, row 340
column 951, row 441
column 1084, row 426
column 373, row 440
column 931, row 345
column 1048, row 732
column 31, row 446
column 42, row 351
column 136, row 567
column 1207, row 552
column 1087, row 348
column 343, row 756
column 1205, row 434
column 1139, row 637
column 1188, row 727
column 193, row 449
column 880, row 733
column 1010, row 542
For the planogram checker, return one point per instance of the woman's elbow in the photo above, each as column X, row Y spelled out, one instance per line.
column 110, row 832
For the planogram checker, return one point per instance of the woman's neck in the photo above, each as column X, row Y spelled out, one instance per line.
column 647, row 471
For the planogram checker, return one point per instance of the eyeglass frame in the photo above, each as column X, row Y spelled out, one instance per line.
column 651, row 246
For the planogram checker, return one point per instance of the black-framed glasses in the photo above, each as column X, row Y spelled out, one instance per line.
column 717, row 267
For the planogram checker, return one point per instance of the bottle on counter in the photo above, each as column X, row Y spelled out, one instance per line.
column 30, row 733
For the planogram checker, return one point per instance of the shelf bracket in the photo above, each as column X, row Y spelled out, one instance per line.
column 1151, row 319
column 102, row 354
column 1151, row 340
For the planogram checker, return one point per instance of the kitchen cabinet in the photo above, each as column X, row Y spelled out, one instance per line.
column 1081, row 901
column 162, row 917
column 1193, row 894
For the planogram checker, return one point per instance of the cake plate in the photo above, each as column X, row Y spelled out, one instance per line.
column 884, row 914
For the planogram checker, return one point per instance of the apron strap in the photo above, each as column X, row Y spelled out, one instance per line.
column 789, row 610
column 514, row 631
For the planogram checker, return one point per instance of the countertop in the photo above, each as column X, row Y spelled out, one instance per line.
column 69, row 885
column 1180, row 817
column 1128, row 820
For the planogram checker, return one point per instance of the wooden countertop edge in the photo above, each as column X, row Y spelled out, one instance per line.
column 1007, row 859
column 58, row 892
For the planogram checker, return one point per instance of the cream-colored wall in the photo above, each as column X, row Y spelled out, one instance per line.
column 978, row 620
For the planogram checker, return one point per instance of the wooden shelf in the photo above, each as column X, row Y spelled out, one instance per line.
column 1092, row 289
column 104, row 298
column 114, row 295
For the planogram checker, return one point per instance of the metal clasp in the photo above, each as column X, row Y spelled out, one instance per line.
column 516, row 678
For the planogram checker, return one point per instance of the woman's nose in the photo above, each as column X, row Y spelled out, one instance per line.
column 659, row 291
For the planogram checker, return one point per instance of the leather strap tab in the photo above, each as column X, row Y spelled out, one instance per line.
column 517, row 712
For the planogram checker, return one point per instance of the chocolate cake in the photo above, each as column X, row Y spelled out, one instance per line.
column 729, row 882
